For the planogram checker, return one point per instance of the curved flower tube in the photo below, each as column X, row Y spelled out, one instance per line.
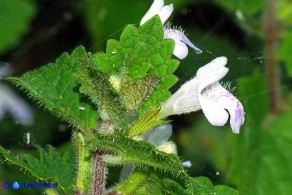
column 180, row 40
column 205, row 92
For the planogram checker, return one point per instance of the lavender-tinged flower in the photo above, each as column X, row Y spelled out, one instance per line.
column 180, row 40
column 205, row 92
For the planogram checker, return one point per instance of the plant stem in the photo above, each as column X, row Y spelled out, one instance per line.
column 99, row 173
column 83, row 169
column 271, row 65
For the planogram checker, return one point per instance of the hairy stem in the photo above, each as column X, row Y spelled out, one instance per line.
column 99, row 173
column 271, row 65
column 83, row 166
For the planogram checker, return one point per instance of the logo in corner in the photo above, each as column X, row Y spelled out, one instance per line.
column 6, row 185
column 16, row 185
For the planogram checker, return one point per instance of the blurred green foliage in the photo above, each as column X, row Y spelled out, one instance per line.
column 243, row 6
column 15, row 20
column 285, row 51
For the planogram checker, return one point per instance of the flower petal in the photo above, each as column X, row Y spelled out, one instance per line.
column 211, row 78
column 184, row 100
column 158, row 7
column 180, row 49
column 165, row 12
column 214, row 113
column 216, row 101
column 235, row 109
column 212, row 66
column 189, row 43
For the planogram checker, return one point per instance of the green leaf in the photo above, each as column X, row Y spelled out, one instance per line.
column 129, row 96
column 50, row 166
column 154, row 28
column 132, row 183
column 171, row 187
column 149, row 121
column 274, row 174
column 140, row 182
column 54, row 87
column 203, row 186
column 225, row 190
column 149, row 186
column 200, row 185
column 141, row 56
column 96, row 86
column 125, row 150
column 143, row 182
column 15, row 18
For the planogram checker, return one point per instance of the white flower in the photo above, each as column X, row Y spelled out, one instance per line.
column 180, row 40
column 158, row 8
column 187, row 164
column 205, row 92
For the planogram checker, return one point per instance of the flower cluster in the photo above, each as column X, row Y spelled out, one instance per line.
column 203, row 91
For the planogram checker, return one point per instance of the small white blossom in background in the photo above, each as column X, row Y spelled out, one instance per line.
column 187, row 164
column 12, row 104
column 15, row 106
column 180, row 40
column 167, row 147
column 81, row 108
column 205, row 92
column 5, row 69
